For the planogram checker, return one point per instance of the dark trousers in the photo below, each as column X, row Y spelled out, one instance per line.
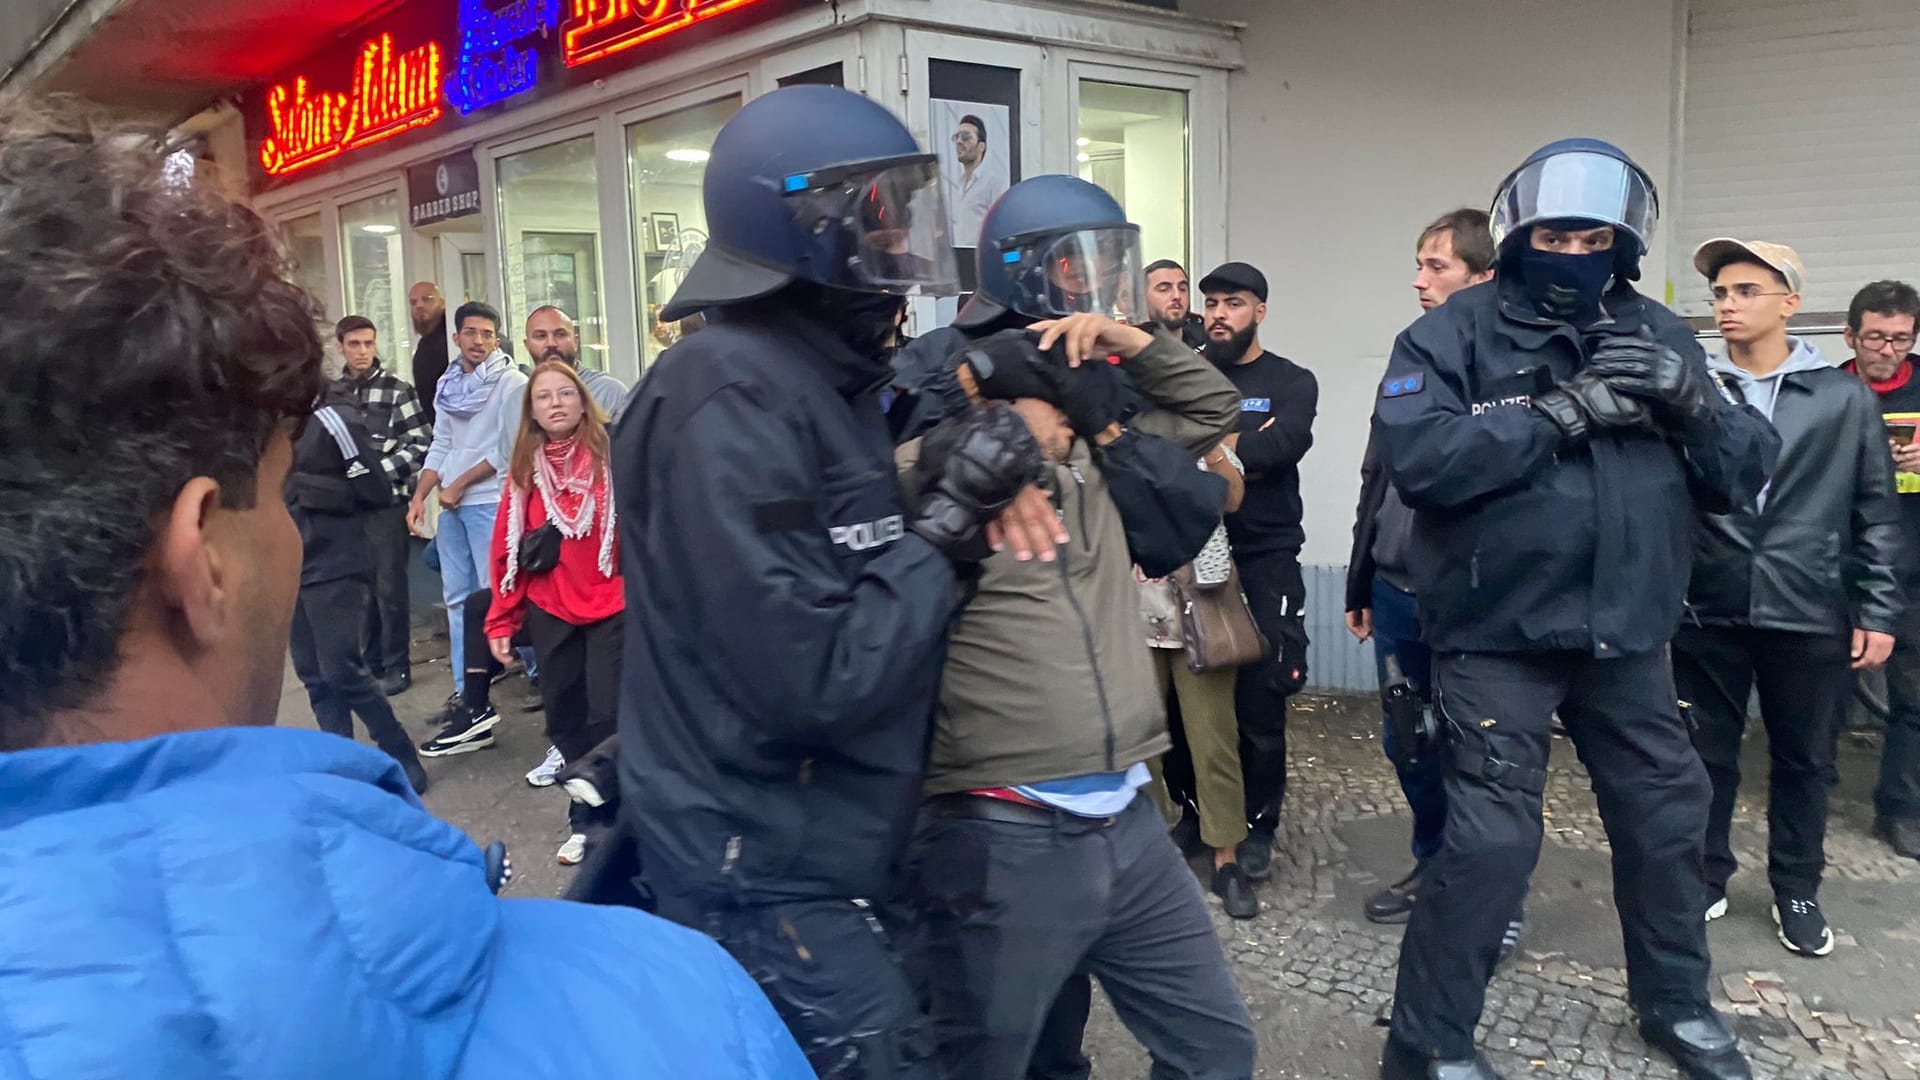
column 327, row 624
column 1396, row 633
column 1277, row 596
column 832, row 973
column 1625, row 724
column 1010, row 911
column 1805, row 682
column 388, row 618
column 1898, row 795
column 579, row 679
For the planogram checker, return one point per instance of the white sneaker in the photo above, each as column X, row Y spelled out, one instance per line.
column 1716, row 909
column 573, row 851
column 544, row 774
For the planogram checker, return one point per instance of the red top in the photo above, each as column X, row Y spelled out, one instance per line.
column 574, row 591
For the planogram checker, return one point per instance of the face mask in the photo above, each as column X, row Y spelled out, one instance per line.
column 865, row 321
column 1566, row 286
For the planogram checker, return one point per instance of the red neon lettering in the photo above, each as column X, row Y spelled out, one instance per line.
column 390, row 93
column 600, row 28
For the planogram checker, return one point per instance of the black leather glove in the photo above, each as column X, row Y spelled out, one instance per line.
column 1090, row 395
column 1678, row 388
column 1585, row 404
column 974, row 465
column 1006, row 366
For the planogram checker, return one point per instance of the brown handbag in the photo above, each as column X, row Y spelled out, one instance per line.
column 1216, row 625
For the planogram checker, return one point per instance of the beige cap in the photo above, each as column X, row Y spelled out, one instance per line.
column 1778, row 256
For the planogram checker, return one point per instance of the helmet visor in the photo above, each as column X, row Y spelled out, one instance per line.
column 1092, row 270
column 891, row 234
column 1581, row 185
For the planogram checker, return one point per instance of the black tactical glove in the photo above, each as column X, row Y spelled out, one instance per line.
column 974, row 465
column 1090, row 395
column 1678, row 389
column 1006, row 366
column 1585, row 404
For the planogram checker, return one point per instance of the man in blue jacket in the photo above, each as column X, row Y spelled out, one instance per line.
column 1555, row 435
column 186, row 890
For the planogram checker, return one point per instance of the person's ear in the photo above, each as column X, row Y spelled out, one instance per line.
column 1853, row 342
column 1259, row 313
column 1791, row 305
column 1482, row 276
column 192, row 573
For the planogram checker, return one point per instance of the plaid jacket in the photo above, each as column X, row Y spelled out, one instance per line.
column 399, row 426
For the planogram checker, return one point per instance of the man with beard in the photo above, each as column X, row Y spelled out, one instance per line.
column 1277, row 403
column 1169, row 303
column 551, row 335
column 429, row 312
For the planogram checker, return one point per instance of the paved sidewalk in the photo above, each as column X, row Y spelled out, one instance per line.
column 1318, row 977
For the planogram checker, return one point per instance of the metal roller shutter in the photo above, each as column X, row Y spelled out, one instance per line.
column 1801, row 124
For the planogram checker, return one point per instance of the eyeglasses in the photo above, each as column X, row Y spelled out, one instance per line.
column 473, row 334
column 1874, row 339
column 565, row 393
column 1743, row 294
column 964, row 137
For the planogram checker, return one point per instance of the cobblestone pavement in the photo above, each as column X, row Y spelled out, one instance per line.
column 1318, row 978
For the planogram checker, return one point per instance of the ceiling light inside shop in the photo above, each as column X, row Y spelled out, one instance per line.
column 1085, row 157
column 688, row 155
column 380, row 230
column 1082, row 141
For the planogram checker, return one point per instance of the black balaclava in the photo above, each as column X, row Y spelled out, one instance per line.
column 1566, row 287
column 865, row 321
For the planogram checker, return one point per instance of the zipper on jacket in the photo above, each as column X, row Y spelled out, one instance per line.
column 1086, row 624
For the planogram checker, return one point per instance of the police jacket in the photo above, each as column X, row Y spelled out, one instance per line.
column 1521, row 545
column 1819, row 551
column 1048, row 675
column 784, row 630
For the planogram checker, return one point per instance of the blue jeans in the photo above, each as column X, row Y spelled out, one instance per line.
column 465, row 538
column 1396, row 633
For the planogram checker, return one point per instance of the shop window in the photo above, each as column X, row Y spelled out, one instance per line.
column 306, row 240
column 370, row 240
column 666, row 163
column 550, row 224
column 1133, row 141
column 473, row 274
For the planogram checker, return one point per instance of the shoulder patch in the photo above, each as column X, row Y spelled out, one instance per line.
column 1256, row 404
column 1402, row 385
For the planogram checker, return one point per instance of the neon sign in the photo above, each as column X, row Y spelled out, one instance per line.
column 491, row 68
column 600, row 28
column 390, row 93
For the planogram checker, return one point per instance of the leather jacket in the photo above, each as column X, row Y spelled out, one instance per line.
column 1819, row 551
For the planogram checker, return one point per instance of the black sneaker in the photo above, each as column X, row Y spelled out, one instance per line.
column 1255, row 855
column 1901, row 834
column 1235, row 892
column 1394, row 904
column 1700, row 1043
column 1802, row 928
column 462, row 734
column 1185, row 833
column 396, row 684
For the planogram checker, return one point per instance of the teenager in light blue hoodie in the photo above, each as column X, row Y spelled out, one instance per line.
column 186, row 891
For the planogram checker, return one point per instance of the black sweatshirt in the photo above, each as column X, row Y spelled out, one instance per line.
column 1277, row 402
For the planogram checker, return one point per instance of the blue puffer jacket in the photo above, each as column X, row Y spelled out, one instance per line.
column 260, row 902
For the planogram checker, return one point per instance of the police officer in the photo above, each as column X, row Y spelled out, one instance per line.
column 787, row 612
column 1555, row 433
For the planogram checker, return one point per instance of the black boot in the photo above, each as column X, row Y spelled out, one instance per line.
column 1699, row 1041
column 1394, row 904
column 1255, row 853
column 1236, row 893
column 1901, row 834
column 1401, row 1062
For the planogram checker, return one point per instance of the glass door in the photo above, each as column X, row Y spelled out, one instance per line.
column 372, row 271
column 666, row 166
column 550, row 240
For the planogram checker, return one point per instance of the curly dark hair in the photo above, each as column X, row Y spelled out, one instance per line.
column 150, row 333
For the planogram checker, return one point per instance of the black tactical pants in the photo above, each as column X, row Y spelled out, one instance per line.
column 1277, row 596
column 1625, row 723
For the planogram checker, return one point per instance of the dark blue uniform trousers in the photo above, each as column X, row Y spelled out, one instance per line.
column 1396, row 633
column 1009, row 911
column 1624, row 719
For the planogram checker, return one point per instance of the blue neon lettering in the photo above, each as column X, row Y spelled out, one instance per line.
column 490, row 68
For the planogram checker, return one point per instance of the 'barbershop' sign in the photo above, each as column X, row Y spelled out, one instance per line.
column 470, row 54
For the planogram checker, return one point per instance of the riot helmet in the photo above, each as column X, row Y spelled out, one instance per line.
column 1054, row 246
column 817, row 184
column 1578, row 181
